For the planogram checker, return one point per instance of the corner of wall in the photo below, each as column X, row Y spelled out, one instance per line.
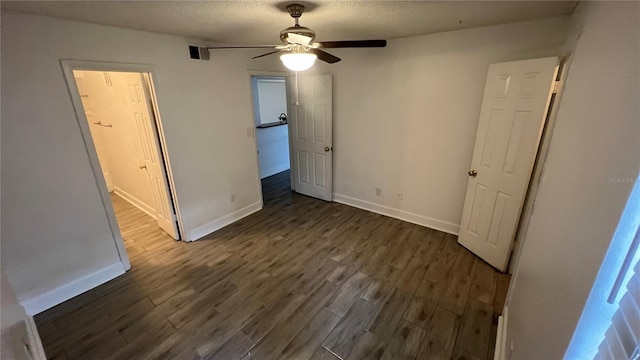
column 206, row 229
column 407, row 216
column 20, row 338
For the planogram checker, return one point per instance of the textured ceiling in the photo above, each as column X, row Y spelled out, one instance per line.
column 260, row 22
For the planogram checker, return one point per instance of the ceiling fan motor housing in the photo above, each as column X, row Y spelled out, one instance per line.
column 300, row 30
column 296, row 10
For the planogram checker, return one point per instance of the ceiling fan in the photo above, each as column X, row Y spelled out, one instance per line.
column 299, row 52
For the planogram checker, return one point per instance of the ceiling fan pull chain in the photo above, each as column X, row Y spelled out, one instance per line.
column 297, row 102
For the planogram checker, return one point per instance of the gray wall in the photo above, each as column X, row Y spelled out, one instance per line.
column 596, row 137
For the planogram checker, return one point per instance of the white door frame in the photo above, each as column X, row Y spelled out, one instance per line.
column 539, row 164
column 68, row 66
column 286, row 76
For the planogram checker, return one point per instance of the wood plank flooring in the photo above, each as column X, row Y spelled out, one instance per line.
column 301, row 279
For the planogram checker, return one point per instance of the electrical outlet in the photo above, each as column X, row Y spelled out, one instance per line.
column 400, row 196
column 378, row 191
column 232, row 198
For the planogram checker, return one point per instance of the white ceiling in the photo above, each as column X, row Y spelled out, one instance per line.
column 260, row 22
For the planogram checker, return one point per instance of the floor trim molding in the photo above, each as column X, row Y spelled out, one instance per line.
column 500, row 351
column 134, row 201
column 35, row 343
column 223, row 221
column 403, row 215
column 40, row 303
column 274, row 170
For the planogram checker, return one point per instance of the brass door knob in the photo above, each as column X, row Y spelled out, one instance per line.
column 473, row 173
column 326, row 149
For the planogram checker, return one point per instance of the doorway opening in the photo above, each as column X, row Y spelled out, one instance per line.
column 272, row 134
column 515, row 108
column 117, row 114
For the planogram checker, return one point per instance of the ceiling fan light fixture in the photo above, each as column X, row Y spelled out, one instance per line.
column 298, row 61
column 298, row 43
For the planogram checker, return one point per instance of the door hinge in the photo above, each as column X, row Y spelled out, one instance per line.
column 556, row 87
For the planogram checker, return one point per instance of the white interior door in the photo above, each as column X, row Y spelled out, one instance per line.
column 153, row 163
column 514, row 108
column 311, row 130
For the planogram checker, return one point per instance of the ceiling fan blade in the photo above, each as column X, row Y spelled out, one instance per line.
column 269, row 53
column 294, row 38
column 354, row 44
column 325, row 56
column 242, row 47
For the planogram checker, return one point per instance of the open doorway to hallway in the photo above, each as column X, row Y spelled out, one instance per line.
column 120, row 113
column 272, row 133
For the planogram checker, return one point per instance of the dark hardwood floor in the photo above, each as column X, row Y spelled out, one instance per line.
column 301, row 279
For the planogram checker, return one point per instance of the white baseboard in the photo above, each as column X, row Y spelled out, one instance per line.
column 407, row 216
column 40, row 303
column 107, row 179
column 134, row 201
column 274, row 170
column 221, row 222
column 500, row 351
column 35, row 342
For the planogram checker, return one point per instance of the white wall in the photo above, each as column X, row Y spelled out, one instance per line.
column 55, row 231
column 596, row 138
column 269, row 101
column 405, row 117
column 271, row 97
column 13, row 328
column 13, row 316
column 273, row 147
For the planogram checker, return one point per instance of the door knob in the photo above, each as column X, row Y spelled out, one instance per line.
column 142, row 167
column 473, row 173
column 326, row 149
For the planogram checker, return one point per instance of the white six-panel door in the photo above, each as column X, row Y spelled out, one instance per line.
column 153, row 163
column 311, row 136
column 512, row 117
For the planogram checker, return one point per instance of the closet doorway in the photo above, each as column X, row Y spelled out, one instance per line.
column 125, row 145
